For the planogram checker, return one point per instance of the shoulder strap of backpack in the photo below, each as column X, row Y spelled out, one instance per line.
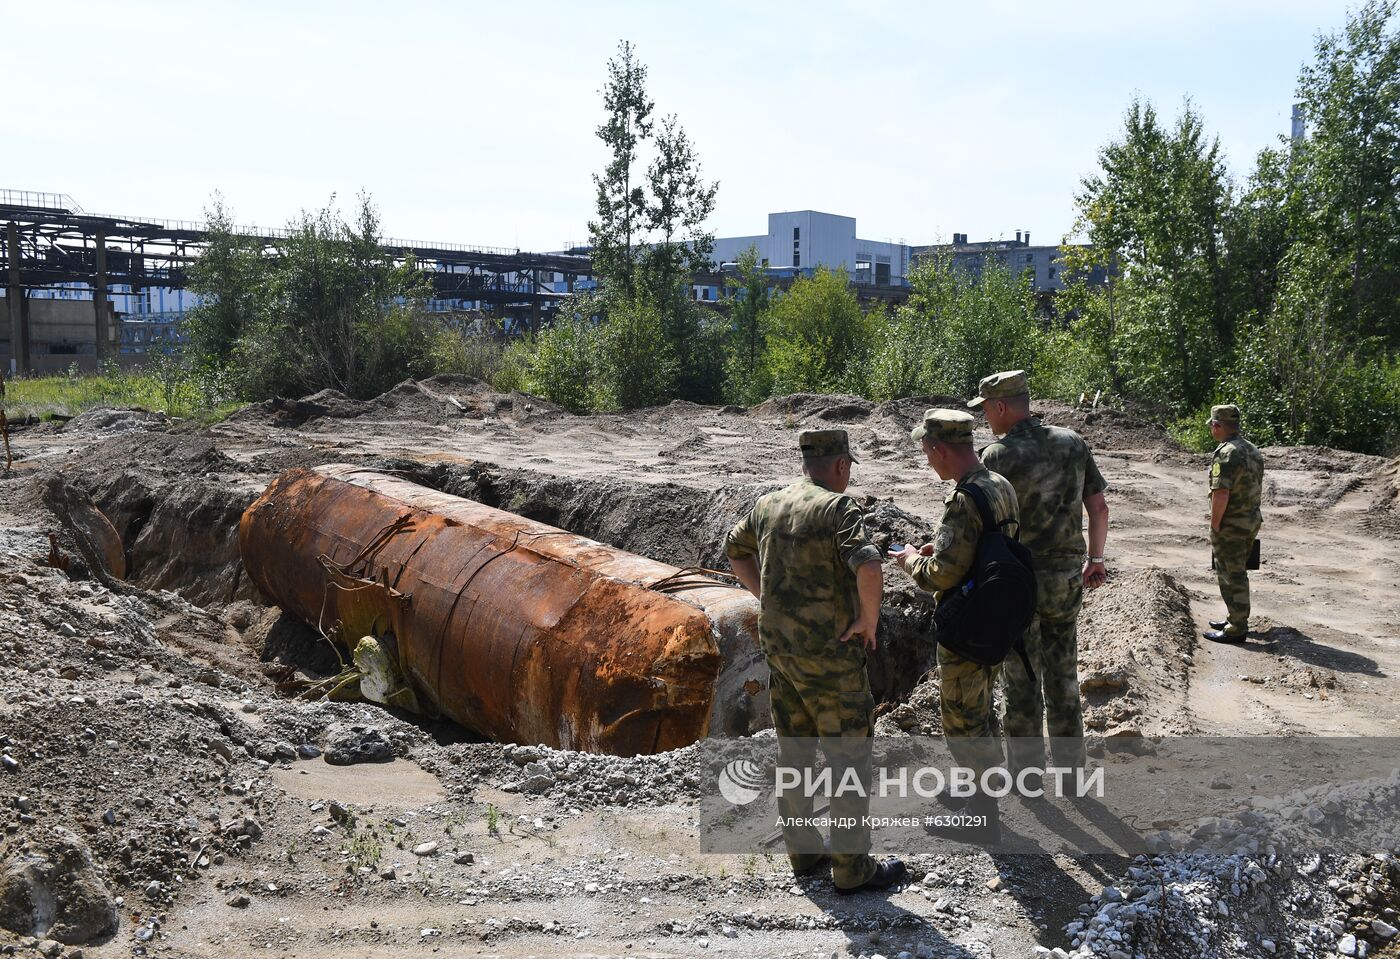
column 979, row 500
column 984, row 508
column 1020, row 649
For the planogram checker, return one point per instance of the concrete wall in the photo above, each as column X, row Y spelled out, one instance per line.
column 61, row 332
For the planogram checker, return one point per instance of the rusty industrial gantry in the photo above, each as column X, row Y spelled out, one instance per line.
column 517, row 630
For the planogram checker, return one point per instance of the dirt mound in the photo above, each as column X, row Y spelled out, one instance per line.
column 1136, row 637
column 815, row 408
column 112, row 420
column 170, row 455
column 1388, row 496
column 907, row 413
column 1321, row 459
column 175, row 502
column 447, row 397
column 416, row 401
column 1109, row 429
column 435, row 401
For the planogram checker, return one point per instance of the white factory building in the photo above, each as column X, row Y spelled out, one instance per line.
column 804, row 240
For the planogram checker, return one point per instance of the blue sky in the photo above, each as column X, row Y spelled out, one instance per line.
column 474, row 122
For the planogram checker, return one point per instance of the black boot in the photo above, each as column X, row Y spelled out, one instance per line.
column 887, row 874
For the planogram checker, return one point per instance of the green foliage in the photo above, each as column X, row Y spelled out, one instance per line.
column 634, row 362
column 168, row 385
column 328, row 309
column 816, row 332
column 1344, row 173
column 1299, row 380
column 1284, row 299
column 648, row 239
column 1154, row 216
column 473, row 348
column 563, row 363
column 620, row 202
column 342, row 308
column 954, row 329
column 1193, row 430
column 517, row 360
column 230, row 277
column 746, row 376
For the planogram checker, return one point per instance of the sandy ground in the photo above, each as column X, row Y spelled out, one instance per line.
column 555, row 878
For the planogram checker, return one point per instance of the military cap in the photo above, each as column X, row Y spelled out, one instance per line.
column 818, row 443
column 999, row 386
column 945, row 426
column 1227, row 414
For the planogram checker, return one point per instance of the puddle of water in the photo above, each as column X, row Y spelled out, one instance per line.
column 401, row 784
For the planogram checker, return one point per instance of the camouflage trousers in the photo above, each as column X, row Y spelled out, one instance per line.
column 965, row 691
column 830, row 702
column 1231, row 547
column 1052, row 645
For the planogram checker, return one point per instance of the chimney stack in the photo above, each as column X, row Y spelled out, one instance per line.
column 1028, row 238
column 1018, row 236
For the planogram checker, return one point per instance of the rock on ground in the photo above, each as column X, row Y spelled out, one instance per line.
column 57, row 894
column 349, row 745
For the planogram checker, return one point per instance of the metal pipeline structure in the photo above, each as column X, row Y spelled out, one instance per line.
column 517, row 630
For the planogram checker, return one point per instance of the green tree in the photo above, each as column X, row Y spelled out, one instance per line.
column 649, row 234
column 1155, row 216
column 346, row 312
column 229, row 278
column 817, row 332
column 1258, row 232
column 635, row 365
column 621, row 202
column 748, row 298
column 1347, row 173
column 955, row 328
column 560, row 363
column 1314, row 245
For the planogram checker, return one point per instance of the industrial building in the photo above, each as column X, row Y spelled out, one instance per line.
column 804, row 240
column 1045, row 264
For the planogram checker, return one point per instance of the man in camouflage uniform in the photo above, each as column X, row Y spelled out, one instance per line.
column 1056, row 481
column 1236, row 488
column 803, row 552
column 965, row 688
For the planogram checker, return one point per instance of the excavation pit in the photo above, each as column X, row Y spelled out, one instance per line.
column 175, row 502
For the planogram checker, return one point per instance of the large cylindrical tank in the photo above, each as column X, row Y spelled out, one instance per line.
column 518, row 630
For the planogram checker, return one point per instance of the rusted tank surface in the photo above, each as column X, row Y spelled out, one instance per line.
column 518, row 630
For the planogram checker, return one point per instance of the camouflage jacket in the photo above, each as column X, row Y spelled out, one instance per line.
column 1238, row 466
column 1053, row 471
column 955, row 542
column 809, row 542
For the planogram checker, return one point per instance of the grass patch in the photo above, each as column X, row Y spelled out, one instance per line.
column 365, row 850
column 69, row 394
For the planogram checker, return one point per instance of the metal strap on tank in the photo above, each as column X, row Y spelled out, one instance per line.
column 688, row 578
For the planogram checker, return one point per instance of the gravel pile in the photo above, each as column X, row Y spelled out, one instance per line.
column 1242, row 892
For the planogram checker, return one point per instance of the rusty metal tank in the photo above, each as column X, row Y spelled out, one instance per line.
column 520, row 631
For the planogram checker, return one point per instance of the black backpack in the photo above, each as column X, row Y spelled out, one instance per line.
column 986, row 616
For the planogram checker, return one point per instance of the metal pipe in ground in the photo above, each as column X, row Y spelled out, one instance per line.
column 518, row 630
